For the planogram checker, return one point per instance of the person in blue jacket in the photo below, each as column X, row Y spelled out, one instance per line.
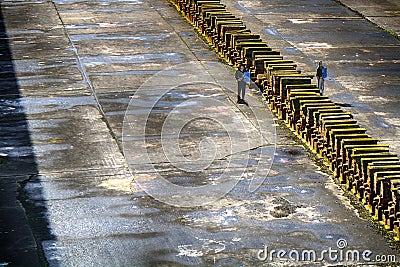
column 243, row 78
column 322, row 74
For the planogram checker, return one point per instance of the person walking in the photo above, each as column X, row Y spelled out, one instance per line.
column 322, row 74
column 241, row 77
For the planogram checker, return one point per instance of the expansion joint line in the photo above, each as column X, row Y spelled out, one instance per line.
column 86, row 78
column 202, row 64
column 368, row 19
column 357, row 160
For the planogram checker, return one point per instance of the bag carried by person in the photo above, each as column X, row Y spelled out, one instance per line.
column 324, row 72
column 246, row 77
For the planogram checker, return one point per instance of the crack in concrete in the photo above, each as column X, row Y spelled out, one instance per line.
column 87, row 80
column 244, row 151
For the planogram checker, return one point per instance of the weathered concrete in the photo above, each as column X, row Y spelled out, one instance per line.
column 66, row 53
column 362, row 59
column 385, row 14
column 17, row 165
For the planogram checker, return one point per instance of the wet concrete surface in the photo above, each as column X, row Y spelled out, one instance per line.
column 17, row 165
column 83, row 67
column 362, row 59
column 385, row 14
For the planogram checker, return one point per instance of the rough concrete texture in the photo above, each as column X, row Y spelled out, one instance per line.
column 385, row 14
column 362, row 59
column 76, row 66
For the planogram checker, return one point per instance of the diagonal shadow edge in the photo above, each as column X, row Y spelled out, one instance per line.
column 23, row 224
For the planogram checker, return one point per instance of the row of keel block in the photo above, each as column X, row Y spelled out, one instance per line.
column 360, row 162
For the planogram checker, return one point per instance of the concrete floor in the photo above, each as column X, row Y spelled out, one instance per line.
column 362, row 59
column 75, row 70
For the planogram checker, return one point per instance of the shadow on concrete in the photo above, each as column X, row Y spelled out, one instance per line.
column 22, row 222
